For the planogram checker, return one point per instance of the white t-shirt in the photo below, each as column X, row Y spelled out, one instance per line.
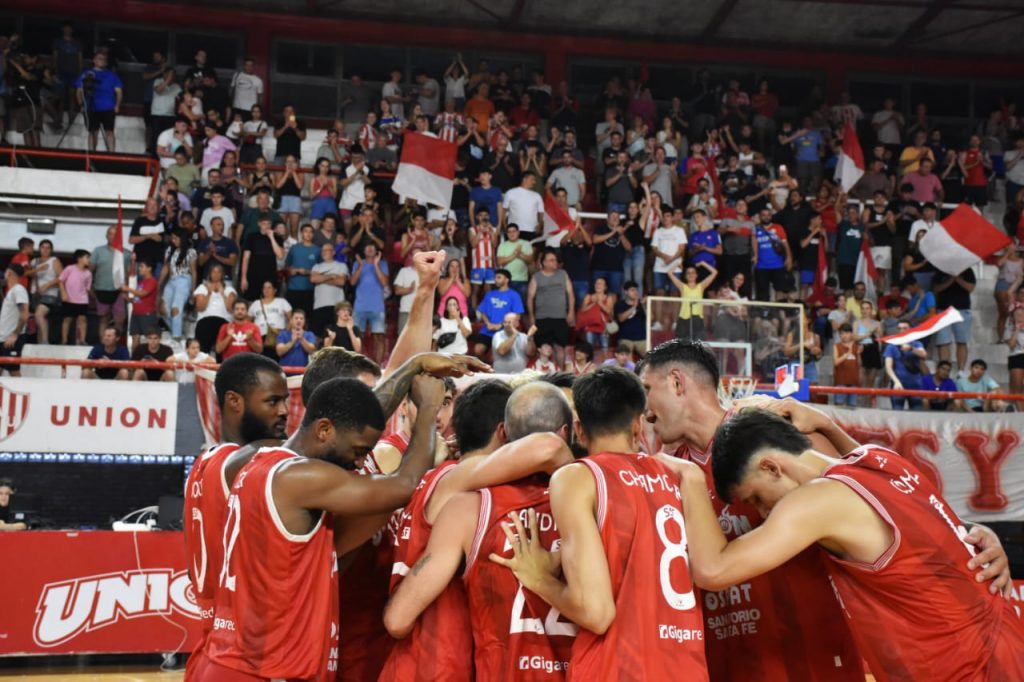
column 889, row 133
column 276, row 316
column 216, row 307
column 10, row 314
column 430, row 104
column 523, row 205
column 1015, row 174
column 921, row 226
column 459, row 345
column 224, row 213
column 248, row 90
column 394, row 90
column 167, row 139
column 328, row 295
column 164, row 102
column 188, row 376
column 407, row 277
column 455, row 88
column 355, row 193
column 570, row 179
column 667, row 240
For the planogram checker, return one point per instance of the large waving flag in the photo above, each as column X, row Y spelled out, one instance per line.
column 866, row 271
column 427, row 170
column 962, row 239
column 556, row 218
column 947, row 317
column 117, row 263
column 851, row 159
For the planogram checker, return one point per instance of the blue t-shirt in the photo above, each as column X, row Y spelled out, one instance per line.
column 497, row 304
column 104, row 97
column 928, row 384
column 100, row 353
column 304, row 257
column 767, row 259
column 297, row 356
column 488, row 198
column 708, row 238
column 905, row 364
column 928, row 302
column 369, row 292
column 223, row 247
column 807, row 146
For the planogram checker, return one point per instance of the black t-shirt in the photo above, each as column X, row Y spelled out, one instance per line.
column 460, row 192
column 954, row 295
column 609, row 254
column 576, row 262
column 795, row 221
column 633, row 328
column 635, row 233
column 733, row 183
column 149, row 250
column 341, row 337
column 474, row 155
column 502, row 174
column 142, row 352
column 289, row 142
column 754, row 206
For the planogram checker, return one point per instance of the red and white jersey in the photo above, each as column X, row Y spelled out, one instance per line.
column 206, row 510
column 369, row 137
column 482, row 256
column 276, row 607
column 658, row 632
column 363, row 591
column 517, row 635
column 917, row 612
column 448, row 125
column 441, row 644
column 783, row 625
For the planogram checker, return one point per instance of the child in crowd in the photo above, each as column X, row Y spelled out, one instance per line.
column 846, row 364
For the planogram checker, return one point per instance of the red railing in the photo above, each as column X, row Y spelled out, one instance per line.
column 124, row 364
column 150, row 165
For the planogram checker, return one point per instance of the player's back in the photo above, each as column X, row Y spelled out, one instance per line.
column 440, row 645
column 658, row 631
column 276, row 607
column 516, row 635
column 783, row 625
column 917, row 612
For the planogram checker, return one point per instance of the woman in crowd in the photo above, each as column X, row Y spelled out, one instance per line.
column 453, row 242
column 455, row 328
column 865, row 331
column 344, row 332
column 75, row 281
column 414, row 240
column 454, row 284
column 215, row 146
column 289, row 183
column 214, row 300
column 192, row 355
column 690, row 324
column 633, row 261
column 257, row 179
column 1014, row 336
column 261, row 253
column 231, row 178
column 1011, row 269
column 324, row 190
column 178, row 279
column 270, row 313
column 594, row 315
column 253, row 132
column 45, row 271
column 811, row 345
column 670, row 139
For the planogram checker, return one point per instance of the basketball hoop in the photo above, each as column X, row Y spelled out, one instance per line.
column 732, row 388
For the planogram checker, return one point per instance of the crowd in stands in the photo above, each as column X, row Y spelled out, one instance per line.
column 709, row 194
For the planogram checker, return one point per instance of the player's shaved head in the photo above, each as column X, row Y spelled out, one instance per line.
column 739, row 439
column 335, row 362
column 537, row 407
column 692, row 356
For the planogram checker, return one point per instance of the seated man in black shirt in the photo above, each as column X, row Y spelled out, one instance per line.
column 153, row 350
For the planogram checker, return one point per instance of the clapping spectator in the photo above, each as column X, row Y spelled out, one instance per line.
column 595, row 312
column 270, row 314
column 954, row 291
column 938, row 382
column 179, row 274
column 217, row 249
column 240, row 335
column 977, row 381
column 75, row 282
column 454, row 284
column 1014, row 336
column 344, row 332
column 510, row 346
column 1011, row 270
column 215, row 298
column 370, row 279
column 289, row 183
column 454, row 329
column 192, row 355
column 154, row 351
column 668, row 244
column 108, row 348
column 610, row 247
column 866, row 330
column 329, row 278
column 46, row 271
column 13, row 316
column 295, row 344
column 846, row 367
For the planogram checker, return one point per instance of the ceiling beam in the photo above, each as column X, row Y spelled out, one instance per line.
column 918, row 25
column 719, row 17
column 486, row 10
column 969, row 27
column 517, row 12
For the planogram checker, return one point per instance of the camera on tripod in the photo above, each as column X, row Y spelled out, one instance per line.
column 89, row 89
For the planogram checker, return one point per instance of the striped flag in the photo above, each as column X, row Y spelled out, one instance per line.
column 850, row 167
column 866, row 271
column 556, row 218
column 427, row 170
column 13, row 408
column 963, row 238
column 947, row 317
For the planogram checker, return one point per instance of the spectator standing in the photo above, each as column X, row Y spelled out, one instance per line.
column 252, row 217
column 68, row 63
column 631, row 316
column 620, row 183
column 428, row 93
column 1014, row 160
column 454, row 329
column 353, row 186
column 108, row 349
column 260, row 255
column 515, row 255
column 239, row 335
column 46, row 271
column 595, row 312
column 977, row 381
column 148, row 234
column 173, row 134
column 690, row 324
column 217, row 209
column 300, row 261
column 510, row 346
column 99, row 92
column 246, row 89
column 216, row 249
column 552, row 304
column 454, row 284
column 977, row 165
column 570, row 178
column 75, row 282
column 903, row 366
column 370, row 278
column 13, row 316
column 668, row 244
column 938, row 382
column 391, row 92
column 356, row 100
column 575, row 249
column 846, row 365
column 704, row 244
column 912, row 156
column 487, row 197
column 179, row 278
column 290, row 134
column 810, row 148
column 145, row 298
column 848, row 245
column 954, row 291
column 1014, row 336
column 329, row 278
column 866, row 330
column 494, row 305
column 887, row 124
column 736, row 229
column 270, row 314
column 152, row 351
column 480, row 108
column 524, row 207
column 455, row 77
column 183, row 171
column 215, row 298
column 405, row 285
column 773, row 261
column 635, row 257
column 926, row 184
column 289, row 183
column 295, row 344
column 343, row 332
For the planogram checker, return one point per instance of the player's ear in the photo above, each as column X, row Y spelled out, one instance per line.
column 501, row 433
column 770, row 466
column 638, row 429
column 678, row 381
column 581, row 435
column 324, row 430
column 234, row 402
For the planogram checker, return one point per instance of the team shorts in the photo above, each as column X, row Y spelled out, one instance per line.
column 481, row 276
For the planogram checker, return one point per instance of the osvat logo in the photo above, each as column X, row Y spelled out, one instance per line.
column 67, row 609
column 13, row 408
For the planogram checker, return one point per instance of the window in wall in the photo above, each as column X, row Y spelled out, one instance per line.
column 132, row 44
column 434, row 62
column 309, row 100
column 223, row 50
column 792, row 90
column 305, row 60
column 38, row 34
column 373, row 62
column 667, row 82
column 942, row 99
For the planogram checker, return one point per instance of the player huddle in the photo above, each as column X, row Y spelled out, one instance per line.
column 550, row 548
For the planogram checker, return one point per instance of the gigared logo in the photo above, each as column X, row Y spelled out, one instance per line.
column 13, row 408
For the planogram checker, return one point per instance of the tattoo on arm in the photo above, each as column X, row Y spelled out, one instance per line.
column 393, row 390
column 420, row 564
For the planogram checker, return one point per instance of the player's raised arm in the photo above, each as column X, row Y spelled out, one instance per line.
column 585, row 596
column 392, row 390
column 416, row 336
column 450, row 540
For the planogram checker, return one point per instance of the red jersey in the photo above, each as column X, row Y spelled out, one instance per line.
column 783, row 625
column 440, row 645
column 975, row 174
column 657, row 633
column 917, row 612
column 276, row 607
column 699, row 169
column 482, row 256
column 517, row 635
column 237, row 332
column 365, row 643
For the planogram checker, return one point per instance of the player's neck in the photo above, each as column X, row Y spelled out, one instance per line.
column 704, row 419
column 618, row 442
column 230, row 433
column 809, row 466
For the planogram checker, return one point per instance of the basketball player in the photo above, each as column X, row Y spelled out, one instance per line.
column 253, row 398
column 621, row 525
column 389, row 451
column 784, row 624
column 467, row 529
column 894, row 549
column 276, row 608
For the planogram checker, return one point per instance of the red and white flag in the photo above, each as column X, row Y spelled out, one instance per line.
column 962, row 239
column 947, row 317
column 117, row 262
column 556, row 218
column 427, row 170
column 851, row 159
column 821, row 275
column 866, row 271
